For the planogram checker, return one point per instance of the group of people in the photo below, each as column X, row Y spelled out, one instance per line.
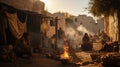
column 22, row 48
column 108, row 45
column 87, row 41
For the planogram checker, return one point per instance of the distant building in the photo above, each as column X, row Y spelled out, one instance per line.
column 61, row 23
column 89, row 23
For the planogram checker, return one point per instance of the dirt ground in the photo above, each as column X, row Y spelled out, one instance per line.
column 36, row 61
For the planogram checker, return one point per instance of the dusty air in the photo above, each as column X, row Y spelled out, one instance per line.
column 59, row 33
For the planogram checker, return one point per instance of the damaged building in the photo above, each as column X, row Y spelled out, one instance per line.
column 21, row 16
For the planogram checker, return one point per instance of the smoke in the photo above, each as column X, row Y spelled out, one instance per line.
column 82, row 29
column 73, row 34
column 70, row 31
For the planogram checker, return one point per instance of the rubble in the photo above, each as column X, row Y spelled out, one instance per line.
column 84, row 56
column 111, row 59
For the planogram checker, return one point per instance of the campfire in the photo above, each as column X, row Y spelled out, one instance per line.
column 65, row 57
column 65, row 54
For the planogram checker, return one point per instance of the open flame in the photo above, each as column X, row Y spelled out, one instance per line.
column 65, row 54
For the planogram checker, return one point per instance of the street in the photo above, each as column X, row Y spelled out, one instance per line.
column 36, row 61
column 59, row 33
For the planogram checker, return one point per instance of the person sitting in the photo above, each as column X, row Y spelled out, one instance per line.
column 108, row 47
column 61, row 33
column 24, row 49
column 86, row 46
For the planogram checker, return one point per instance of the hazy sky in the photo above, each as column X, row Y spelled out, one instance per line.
column 74, row 7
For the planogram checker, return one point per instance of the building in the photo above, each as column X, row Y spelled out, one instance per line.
column 29, row 12
column 28, row 5
column 61, row 22
column 89, row 23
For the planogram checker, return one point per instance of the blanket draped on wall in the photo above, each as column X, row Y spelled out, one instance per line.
column 17, row 27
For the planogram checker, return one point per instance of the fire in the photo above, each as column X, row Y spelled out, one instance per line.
column 65, row 54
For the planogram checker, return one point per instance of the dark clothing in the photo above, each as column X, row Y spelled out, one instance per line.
column 60, row 33
column 85, row 39
column 86, row 46
column 107, row 48
column 3, row 27
column 23, row 48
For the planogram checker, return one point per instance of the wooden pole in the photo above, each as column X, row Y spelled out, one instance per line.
column 56, row 32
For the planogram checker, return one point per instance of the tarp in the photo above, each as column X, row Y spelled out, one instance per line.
column 17, row 27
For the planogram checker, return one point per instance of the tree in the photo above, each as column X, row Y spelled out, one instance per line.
column 105, row 8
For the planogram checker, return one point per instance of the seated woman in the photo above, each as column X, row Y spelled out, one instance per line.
column 86, row 46
column 24, row 49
